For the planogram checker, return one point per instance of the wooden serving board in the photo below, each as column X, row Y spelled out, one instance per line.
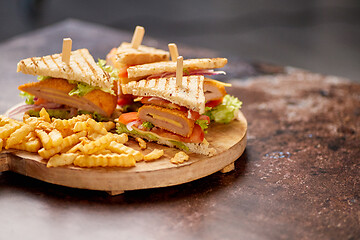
column 229, row 140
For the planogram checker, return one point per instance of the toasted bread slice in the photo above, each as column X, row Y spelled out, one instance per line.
column 125, row 55
column 190, row 94
column 56, row 90
column 82, row 68
column 148, row 69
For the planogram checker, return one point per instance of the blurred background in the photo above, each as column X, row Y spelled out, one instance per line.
column 319, row 35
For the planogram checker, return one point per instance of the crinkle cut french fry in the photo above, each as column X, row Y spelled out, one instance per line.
column 61, row 159
column 18, row 135
column 107, row 160
column 155, row 154
column 31, row 120
column 121, row 148
column 30, row 146
column 108, row 125
column 95, row 126
column 5, row 120
column 44, row 114
column 94, row 136
column 31, row 136
column 66, row 132
column 103, row 151
column 121, row 138
column 75, row 148
column 8, row 129
column 44, row 138
column 25, row 116
column 142, row 143
column 39, row 123
column 80, row 126
column 179, row 157
column 63, row 124
column 97, row 145
column 68, row 142
column 56, row 137
column 45, row 126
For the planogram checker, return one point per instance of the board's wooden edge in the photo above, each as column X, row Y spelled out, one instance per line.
column 113, row 181
column 4, row 162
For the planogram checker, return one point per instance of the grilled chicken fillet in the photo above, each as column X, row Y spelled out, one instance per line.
column 56, row 90
column 213, row 90
column 169, row 119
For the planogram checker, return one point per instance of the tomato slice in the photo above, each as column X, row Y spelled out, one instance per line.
column 125, row 118
column 123, row 74
column 205, row 117
column 213, row 103
column 197, row 135
column 194, row 115
column 125, row 100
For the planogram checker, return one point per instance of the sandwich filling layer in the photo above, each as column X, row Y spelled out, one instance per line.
column 171, row 120
column 57, row 90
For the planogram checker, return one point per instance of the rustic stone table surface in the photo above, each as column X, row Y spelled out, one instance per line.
column 299, row 177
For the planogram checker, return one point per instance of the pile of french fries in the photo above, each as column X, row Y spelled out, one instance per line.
column 80, row 141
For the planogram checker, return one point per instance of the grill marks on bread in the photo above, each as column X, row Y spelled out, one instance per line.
column 126, row 55
column 148, row 69
column 82, row 68
column 189, row 95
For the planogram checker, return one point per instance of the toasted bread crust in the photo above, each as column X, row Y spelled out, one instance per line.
column 82, row 68
column 125, row 55
column 190, row 95
column 148, row 69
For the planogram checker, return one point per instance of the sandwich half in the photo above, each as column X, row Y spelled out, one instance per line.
column 214, row 91
column 68, row 89
column 178, row 116
column 170, row 115
column 125, row 56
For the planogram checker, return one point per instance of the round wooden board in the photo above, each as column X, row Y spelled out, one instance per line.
column 229, row 140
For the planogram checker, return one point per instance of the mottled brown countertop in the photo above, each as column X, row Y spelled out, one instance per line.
column 299, row 177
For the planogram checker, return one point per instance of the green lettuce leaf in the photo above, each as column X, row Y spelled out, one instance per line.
column 180, row 145
column 113, row 72
column 147, row 125
column 121, row 128
column 53, row 113
column 134, row 107
column 226, row 111
column 81, row 89
column 29, row 99
column 203, row 124
column 41, row 78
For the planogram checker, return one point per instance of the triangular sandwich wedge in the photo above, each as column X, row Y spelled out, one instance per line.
column 169, row 115
column 178, row 116
column 125, row 56
column 65, row 89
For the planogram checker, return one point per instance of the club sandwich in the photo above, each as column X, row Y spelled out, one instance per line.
column 67, row 88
